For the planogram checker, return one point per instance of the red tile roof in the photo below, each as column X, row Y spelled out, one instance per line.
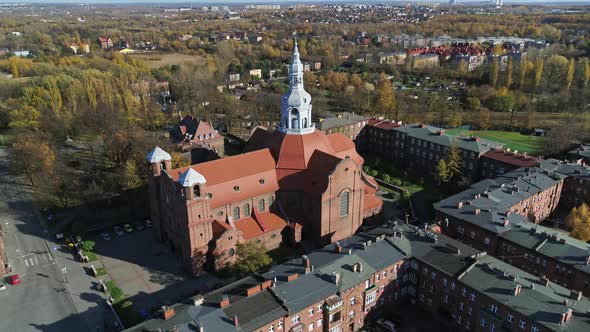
column 259, row 223
column 244, row 171
column 383, row 124
column 511, row 158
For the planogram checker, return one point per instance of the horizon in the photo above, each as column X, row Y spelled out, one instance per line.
column 197, row 3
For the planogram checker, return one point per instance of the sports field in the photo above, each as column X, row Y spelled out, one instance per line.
column 513, row 140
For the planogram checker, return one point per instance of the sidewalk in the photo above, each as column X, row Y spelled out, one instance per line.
column 84, row 288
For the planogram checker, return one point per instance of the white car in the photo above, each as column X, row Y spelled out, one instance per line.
column 2, row 287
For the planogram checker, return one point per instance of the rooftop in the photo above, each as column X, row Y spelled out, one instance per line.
column 551, row 243
column 511, row 157
column 487, row 203
column 339, row 120
column 438, row 136
column 582, row 151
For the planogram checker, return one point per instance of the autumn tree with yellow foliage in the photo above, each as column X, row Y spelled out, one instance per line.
column 579, row 222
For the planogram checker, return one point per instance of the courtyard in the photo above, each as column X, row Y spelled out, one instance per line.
column 147, row 272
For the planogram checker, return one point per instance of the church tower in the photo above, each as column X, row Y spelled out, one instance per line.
column 296, row 103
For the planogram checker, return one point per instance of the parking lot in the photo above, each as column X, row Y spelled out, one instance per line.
column 147, row 272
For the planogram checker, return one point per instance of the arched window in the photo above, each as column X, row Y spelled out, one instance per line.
column 197, row 191
column 163, row 165
column 344, row 202
column 236, row 213
column 261, row 206
column 304, row 122
column 246, row 209
column 270, row 201
column 294, row 123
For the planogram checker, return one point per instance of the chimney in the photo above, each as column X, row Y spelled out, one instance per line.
column 562, row 241
column 338, row 248
column 224, row 301
column 459, row 205
column 252, row 290
column 236, row 323
column 357, row 267
column 306, row 261
column 336, row 277
column 349, row 251
column 292, row 277
column 266, row 284
column 576, row 295
column 567, row 315
column 516, row 289
column 476, row 211
column 544, row 281
column 168, row 312
column 198, row 300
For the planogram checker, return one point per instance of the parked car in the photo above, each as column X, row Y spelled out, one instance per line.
column 15, row 279
column 139, row 227
column 128, row 228
column 118, row 230
column 2, row 286
column 105, row 236
column 148, row 223
column 387, row 325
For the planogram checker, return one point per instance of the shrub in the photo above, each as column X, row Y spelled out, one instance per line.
column 385, row 177
column 374, row 173
column 88, row 245
column 367, row 169
column 114, row 291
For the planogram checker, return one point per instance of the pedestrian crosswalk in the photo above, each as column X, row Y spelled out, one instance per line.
column 31, row 260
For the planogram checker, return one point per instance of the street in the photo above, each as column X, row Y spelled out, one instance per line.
column 42, row 301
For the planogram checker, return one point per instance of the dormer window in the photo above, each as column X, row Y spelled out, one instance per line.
column 197, row 191
column 294, row 111
column 163, row 165
column 261, row 181
column 237, row 188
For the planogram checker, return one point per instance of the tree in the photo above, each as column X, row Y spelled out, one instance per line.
column 385, row 103
column 484, row 119
column 538, row 72
column 585, row 71
column 494, row 71
column 250, row 257
column 579, row 222
column 453, row 162
column 509, row 69
column 31, row 157
column 473, row 104
column 441, row 172
column 569, row 78
column 522, row 72
column 88, row 245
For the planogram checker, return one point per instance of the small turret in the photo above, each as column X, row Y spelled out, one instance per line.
column 192, row 183
column 159, row 160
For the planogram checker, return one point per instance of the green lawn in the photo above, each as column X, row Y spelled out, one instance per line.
column 512, row 140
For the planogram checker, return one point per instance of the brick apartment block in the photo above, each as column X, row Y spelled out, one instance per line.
column 339, row 287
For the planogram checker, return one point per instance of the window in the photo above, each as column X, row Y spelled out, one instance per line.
column 270, row 200
column 295, row 320
column 344, row 202
column 445, row 298
column 351, row 313
column 472, row 297
column 492, row 327
column 460, row 229
column 534, row 328
column 319, row 308
column 335, row 329
column 461, row 304
column 433, row 275
column 486, row 241
column 469, row 310
column 237, row 188
column 271, row 328
column 371, row 298
column 464, row 292
column 236, row 212
column 261, row 206
column 509, row 318
column 261, row 181
column 197, row 191
column 493, row 308
column 231, row 252
column 280, row 325
column 246, row 209
column 522, row 324
column 310, row 327
column 483, row 322
column 311, row 312
column 445, row 282
column 319, row 323
column 352, row 301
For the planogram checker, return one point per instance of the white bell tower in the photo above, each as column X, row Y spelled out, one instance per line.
column 296, row 103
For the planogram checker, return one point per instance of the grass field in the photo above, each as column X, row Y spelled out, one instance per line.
column 157, row 60
column 512, row 140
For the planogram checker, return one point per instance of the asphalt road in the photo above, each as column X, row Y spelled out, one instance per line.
column 42, row 301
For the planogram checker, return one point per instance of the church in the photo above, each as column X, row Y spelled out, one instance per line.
column 292, row 184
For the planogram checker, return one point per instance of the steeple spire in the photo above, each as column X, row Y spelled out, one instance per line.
column 296, row 103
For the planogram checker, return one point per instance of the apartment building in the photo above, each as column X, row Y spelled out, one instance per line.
column 576, row 187
column 581, row 153
column 342, row 285
column 499, row 161
column 418, row 146
column 345, row 123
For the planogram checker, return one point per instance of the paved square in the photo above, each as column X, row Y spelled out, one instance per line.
column 147, row 272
